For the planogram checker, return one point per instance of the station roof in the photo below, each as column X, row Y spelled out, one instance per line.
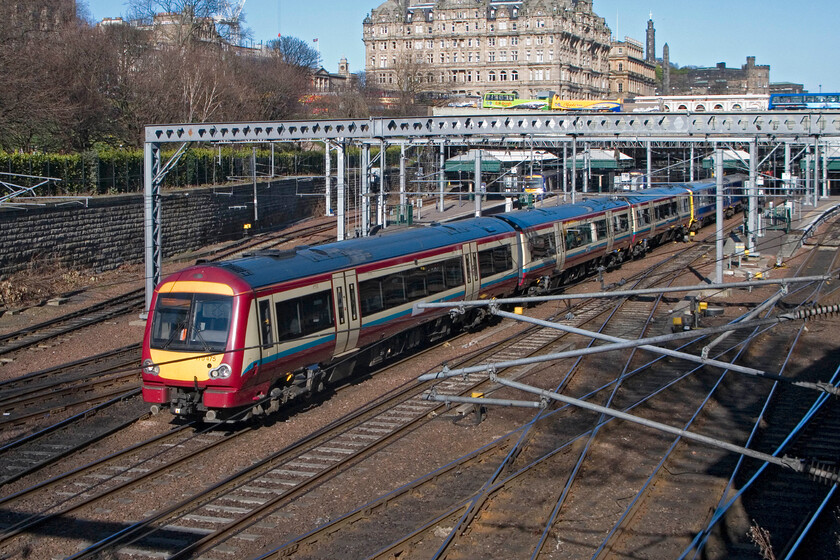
column 494, row 161
column 602, row 160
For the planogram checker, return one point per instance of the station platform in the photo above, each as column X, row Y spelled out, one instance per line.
column 781, row 242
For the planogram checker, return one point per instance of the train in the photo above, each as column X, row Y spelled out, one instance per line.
column 803, row 101
column 552, row 102
column 241, row 338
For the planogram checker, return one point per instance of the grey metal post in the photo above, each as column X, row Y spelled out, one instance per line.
column 752, row 216
column 441, row 179
column 340, row 191
column 787, row 183
column 586, row 167
column 816, row 170
column 327, row 178
column 365, row 164
column 825, row 187
column 807, row 173
column 691, row 164
column 272, row 160
column 565, row 170
column 403, row 197
column 649, row 164
column 254, row 177
column 380, row 206
column 152, row 219
column 574, row 168
column 477, row 185
column 719, row 215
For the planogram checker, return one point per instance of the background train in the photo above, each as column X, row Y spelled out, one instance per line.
column 247, row 335
column 679, row 103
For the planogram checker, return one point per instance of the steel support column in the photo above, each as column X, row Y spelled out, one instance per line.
column 380, row 204
column 441, row 178
column 752, row 199
column 327, row 178
column 719, row 216
column 341, row 194
column 152, row 219
column 365, row 196
column 477, row 185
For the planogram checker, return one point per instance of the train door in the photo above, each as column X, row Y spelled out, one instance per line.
column 561, row 245
column 472, row 280
column 608, row 229
column 348, row 319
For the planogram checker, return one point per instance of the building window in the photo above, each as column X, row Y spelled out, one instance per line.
column 620, row 67
column 503, row 76
column 491, row 56
column 503, row 56
column 491, row 76
column 514, row 76
column 514, row 55
column 620, row 87
column 514, row 41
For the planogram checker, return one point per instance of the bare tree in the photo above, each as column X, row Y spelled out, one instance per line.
column 191, row 20
column 295, row 52
column 410, row 78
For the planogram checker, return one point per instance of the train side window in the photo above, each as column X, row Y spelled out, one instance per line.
column 304, row 316
column 454, row 273
column 416, row 287
column 354, row 313
column 435, row 281
column 394, row 290
column 502, row 259
column 266, row 330
column 542, row 246
column 601, row 230
column 621, row 223
column 339, row 292
column 643, row 216
column 468, row 267
column 371, row 296
column 485, row 262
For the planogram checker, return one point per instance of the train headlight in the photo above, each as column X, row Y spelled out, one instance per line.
column 150, row 368
column 221, row 372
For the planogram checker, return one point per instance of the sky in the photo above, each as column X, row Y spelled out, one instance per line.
column 797, row 40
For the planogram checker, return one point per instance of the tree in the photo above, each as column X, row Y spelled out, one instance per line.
column 188, row 20
column 411, row 77
column 295, row 52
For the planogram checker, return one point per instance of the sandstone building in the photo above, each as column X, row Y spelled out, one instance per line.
column 469, row 47
column 631, row 73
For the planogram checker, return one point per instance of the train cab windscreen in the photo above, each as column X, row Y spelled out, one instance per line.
column 191, row 322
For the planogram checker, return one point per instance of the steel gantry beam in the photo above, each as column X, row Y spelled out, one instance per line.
column 605, row 126
column 534, row 129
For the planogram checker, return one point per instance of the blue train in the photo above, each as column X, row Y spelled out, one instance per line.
column 250, row 334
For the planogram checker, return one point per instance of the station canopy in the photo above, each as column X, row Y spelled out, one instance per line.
column 733, row 160
column 832, row 154
column 602, row 160
column 496, row 161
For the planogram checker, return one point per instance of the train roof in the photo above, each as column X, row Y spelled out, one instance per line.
column 271, row 267
column 538, row 216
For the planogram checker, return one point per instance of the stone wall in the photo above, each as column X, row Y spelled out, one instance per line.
column 108, row 231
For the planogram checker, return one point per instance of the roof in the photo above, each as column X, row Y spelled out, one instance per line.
column 269, row 267
column 534, row 218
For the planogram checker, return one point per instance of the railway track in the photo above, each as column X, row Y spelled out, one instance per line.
column 358, row 535
column 396, row 418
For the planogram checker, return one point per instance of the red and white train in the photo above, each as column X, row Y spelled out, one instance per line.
column 228, row 340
